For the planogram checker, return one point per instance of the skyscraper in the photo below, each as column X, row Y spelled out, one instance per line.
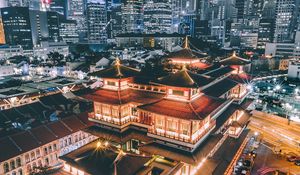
column 76, row 12
column 53, row 25
column 97, row 21
column 132, row 16
column 39, row 26
column 59, row 6
column 157, row 16
column 286, row 20
column 17, row 28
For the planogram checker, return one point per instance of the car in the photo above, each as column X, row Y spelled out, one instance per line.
column 297, row 162
column 292, row 158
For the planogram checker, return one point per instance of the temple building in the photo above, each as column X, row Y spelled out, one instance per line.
column 179, row 110
column 239, row 64
column 186, row 56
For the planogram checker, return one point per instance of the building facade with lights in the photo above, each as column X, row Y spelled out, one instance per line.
column 174, row 110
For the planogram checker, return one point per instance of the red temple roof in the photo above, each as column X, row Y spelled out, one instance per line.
column 196, row 110
column 234, row 60
column 116, row 71
column 123, row 97
column 185, row 78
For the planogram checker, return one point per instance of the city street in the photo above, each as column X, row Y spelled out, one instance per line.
column 266, row 158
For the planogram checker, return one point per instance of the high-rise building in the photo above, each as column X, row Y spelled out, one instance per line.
column 132, row 16
column 97, row 21
column 115, row 18
column 13, row 3
column 67, row 31
column 286, row 20
column 76, row 12
column 157, row 16
column 265, row 32
column 17, row 28
column 53, row 25
column 59, row 6
column 39, row 26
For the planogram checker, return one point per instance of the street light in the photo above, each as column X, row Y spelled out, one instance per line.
column 277, row 87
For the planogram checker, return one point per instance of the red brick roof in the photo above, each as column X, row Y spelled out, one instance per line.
column 16, row 144
column 196, row 110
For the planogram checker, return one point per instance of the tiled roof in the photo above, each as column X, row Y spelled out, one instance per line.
column 123, row 97
column 101, row 162
column 116, row 71
column 219, row 71
column 220, row 88
column 25, row 141
column 234, row 60
column 185, row 78
column 198, row 109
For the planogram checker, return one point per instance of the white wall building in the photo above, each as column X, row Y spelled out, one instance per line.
column 294, row 69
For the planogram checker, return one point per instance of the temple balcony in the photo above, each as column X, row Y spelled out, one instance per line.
column 115, row 122
column 173, row 137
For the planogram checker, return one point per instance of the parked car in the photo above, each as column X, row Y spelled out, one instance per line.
column 297, row 162
column 292, row 158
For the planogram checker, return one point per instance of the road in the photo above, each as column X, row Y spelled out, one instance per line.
column 266, row 158
column 279, row 134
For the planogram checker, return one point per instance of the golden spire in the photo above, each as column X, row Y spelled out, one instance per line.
column 186, row 42
column 234, row 53
column 117, row 62
column 184, row 67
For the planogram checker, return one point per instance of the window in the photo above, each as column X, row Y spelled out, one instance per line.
column 45, row 151
column 18, row 162
column 195, row 127
column 50, row 148
column 47, row 161
column 106, row 110
column 20, row 172
column 32, row 155
column 38, row 153
column 172, row 125
column 159, row 123
column 27, row 158
column 70, row 141
column 185, row 128
column 179, row 93
column 111, row 83
column 54, row 146
column 6, row 167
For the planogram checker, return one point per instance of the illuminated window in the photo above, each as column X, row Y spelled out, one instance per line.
column 159, row 123
column 185, row 128
column 111, row 83
column 172, row 125
column 179, row 93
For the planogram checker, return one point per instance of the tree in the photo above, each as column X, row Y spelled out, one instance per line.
column 55, row 57
column 39, row 170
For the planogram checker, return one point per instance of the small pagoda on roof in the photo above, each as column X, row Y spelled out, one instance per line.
column 117, row 76
column 236, row 62
column 187, row 56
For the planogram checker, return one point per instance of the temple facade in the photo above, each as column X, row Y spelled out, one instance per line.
column 179, row 110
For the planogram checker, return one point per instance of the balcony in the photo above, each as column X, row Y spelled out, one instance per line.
column 180, row 137
column 119, row 122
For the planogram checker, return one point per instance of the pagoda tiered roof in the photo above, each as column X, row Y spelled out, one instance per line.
column 123, row 97
column 185, row 54
column 185, row 78
column 116, row 71
column 197, row 109
column 234, row 60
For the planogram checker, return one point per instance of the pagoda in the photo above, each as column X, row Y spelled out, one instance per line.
column 236, row 62
column 186, row 56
